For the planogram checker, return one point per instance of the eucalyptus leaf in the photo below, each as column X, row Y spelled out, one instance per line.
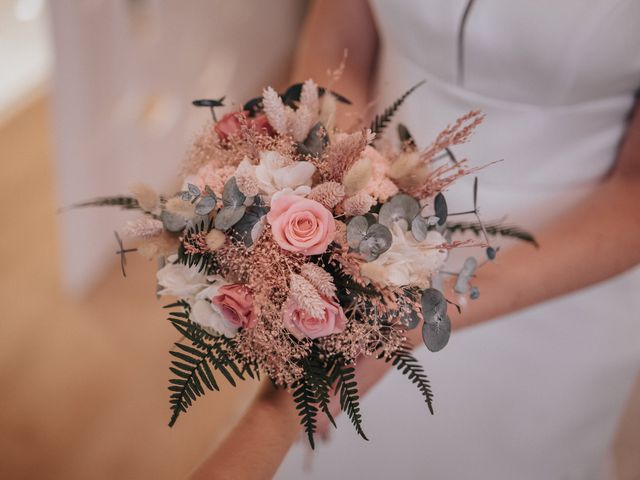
column 491, row 253
column 474, row 294
column 228, row 216
column 173, row 222
column 441, row 210
column 315, row 142
column 206, row 205
column 434, row 304
column 231, row 195
column 193, row 189
column 377, row 241
column 468, row 269
column 242, row 229
column 186, row 196
column 399, row 207
column 436, row 335
column 420, row 228
column 356, row 230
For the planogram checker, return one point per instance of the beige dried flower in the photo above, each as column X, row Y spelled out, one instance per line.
column 275, row 110
column 147, row 197
column 328, row 108
column 319, row 278
column 309, row 96
column 306, row 296
column 160, row 246
column 358, row 176
column 328, row 194
column 144, row 227
column 215, row 239
column 301, row 122
column 180, row 207
column 358, row 204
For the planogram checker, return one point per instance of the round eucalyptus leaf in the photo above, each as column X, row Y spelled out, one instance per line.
column 468, row 269
column 474, row 294
column 193, row 189
column 186, row 196
column 377, row 241
column 205, row 205
column 436, row 335
column 356, row 230
column 491, row 253
column 231, row 195
column 419, row 228
column 227, row 217
column 437, row 281
column 242, row 229
column 440, row 206
column 434, row 305
column 400, row 207
column 172, row 221
column 315, row 142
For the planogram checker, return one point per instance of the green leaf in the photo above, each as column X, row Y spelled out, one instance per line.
column 347, row 388
column 495, row 229
column 409, row 366
column 304, row 398
column 381, row 121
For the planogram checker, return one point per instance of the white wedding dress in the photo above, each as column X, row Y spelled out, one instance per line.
column 537, row 394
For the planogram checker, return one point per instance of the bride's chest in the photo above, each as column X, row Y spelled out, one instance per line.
column 552, row 52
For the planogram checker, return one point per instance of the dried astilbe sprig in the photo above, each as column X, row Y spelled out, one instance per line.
column 204, row 149
column 195, row 242
column 340, row 155
column 455, row 134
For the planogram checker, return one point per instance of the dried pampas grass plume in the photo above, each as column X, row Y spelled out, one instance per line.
column 358, row 176
column 309, row 96
column 215, row 239
column 329, row 194
column 319, row 278
column 306, row 296
column 358, row 204
column 146, row 196
column 144, row 227
column 180, row 207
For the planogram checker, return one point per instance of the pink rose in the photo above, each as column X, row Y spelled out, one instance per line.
column 301, row 325
column 301, row 225
column 235, row 302
column 230, row 124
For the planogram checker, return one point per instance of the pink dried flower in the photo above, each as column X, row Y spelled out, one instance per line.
column 358, row 204
column 328, row 194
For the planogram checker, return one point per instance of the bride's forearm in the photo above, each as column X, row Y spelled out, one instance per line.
column 257, row 445
column 596, row 240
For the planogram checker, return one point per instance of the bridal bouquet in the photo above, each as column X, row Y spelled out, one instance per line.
column 295, row 249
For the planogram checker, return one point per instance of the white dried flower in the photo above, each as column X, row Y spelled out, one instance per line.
column 144, row 227
column 147, row 197
column 358, row 176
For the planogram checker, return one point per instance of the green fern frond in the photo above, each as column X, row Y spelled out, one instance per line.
column 409, row 366
column 305, row 400
column 495, row 229
column 318, row 375
column 204, row 261
column 124, row 202
column 194, row 365
column 347, row 388
column 381, row 121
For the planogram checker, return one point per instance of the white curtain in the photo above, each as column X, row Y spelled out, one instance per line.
column 125, row 74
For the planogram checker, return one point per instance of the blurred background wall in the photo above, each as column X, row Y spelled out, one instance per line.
column 95, row 94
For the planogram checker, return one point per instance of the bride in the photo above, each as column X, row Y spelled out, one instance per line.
column 535, row 377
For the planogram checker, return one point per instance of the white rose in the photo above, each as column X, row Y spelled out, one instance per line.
column 205, row 313
column 180, row 281
column 274, row 175
column 407, row 262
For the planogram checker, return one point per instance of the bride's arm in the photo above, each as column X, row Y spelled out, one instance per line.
column 256, row 446
column 592, row 242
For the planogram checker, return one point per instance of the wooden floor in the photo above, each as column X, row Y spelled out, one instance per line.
column 83, row 383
